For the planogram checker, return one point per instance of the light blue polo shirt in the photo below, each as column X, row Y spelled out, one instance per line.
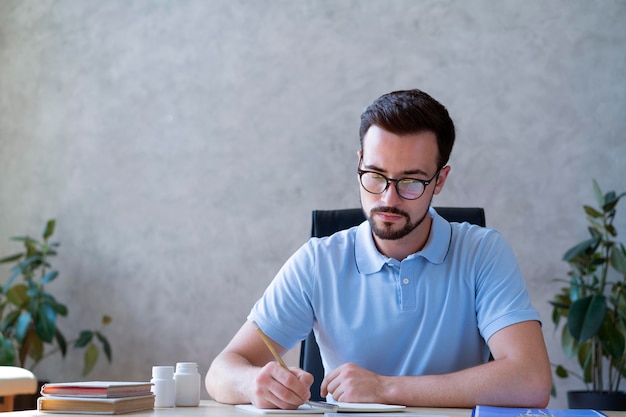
column 432, row 313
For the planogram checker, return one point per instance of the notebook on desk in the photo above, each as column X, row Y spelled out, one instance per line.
column 321, row 408
column 489, row 411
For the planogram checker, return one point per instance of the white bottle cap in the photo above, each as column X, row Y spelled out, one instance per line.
column 186, row 367
column 161, row 372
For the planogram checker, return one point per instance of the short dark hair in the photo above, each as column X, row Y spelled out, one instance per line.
column 408, row 112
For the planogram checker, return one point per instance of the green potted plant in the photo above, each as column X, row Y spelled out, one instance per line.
column 593, row 306
column 29, row 313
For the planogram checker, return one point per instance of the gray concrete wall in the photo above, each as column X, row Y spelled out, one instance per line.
column 182, row 145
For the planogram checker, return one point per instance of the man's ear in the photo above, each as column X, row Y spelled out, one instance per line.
column 441, row 178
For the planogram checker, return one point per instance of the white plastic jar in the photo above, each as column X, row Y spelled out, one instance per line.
column 164, row 388
column 187, row 380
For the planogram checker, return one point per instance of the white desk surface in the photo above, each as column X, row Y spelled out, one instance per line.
column 210, row 408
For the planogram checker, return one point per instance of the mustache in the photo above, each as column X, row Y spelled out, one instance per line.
column 392, row 210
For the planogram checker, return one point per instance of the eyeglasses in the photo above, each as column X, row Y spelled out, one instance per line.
column 407, row 188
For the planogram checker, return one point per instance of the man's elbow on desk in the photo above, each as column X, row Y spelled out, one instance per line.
column 535, row 389
column 220, row 384
column 211, row 382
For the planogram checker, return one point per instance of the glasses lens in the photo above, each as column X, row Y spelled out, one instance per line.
column 373, row 182
column 410, row 189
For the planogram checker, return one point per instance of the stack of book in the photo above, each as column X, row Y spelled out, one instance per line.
column 96, row 397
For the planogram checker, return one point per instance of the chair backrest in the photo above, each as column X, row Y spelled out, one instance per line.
column 327, row 222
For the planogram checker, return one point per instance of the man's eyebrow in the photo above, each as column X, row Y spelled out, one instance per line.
column 409, row 172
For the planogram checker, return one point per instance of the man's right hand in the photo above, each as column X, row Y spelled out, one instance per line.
column 246, row 372
column 277, row 387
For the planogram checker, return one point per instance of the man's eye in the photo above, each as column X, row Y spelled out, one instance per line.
column 409, row 181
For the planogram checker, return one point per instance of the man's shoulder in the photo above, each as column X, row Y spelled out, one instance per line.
column 472, row 241
column 340, row 238
column 467, row 231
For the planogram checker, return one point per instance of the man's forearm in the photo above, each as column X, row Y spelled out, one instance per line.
column 495, row 383
column 228, row 379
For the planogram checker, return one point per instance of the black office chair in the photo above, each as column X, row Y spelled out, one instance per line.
column 327, row 222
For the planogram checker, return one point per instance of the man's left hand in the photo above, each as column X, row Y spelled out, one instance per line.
column 353, row 384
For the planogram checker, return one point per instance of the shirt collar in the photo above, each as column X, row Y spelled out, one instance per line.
column 369, row 260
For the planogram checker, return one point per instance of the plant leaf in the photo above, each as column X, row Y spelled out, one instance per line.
column 556, row 315
column 61, row 342
column 9, row 321
column 49, row 230
column 91, row 356
column 618, row 299
column 575, row 289
column 610, row 201
column 106, row 320
column 11, row 258
column 50, row 276
column 588, row 245
column 618, row 259
column 569, row 344
column 561, row 372
column 16, row 273
column 61, row 309
column 26, row 263
column 598, row 193
column 21, row 326
column 84, row 338
column 610, row 204
column 586, row 317
column 26, row 240
column 7, row 352
column 612, row 231
column 35, row 347
column 105, row 345
column 18, row 295
column 584, row 359
column 592, row 212
column 612, row 341
column 45, row 325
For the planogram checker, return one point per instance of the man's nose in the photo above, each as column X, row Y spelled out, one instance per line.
column 390, row 196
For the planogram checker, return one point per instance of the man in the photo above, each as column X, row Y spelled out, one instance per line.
column 406, row 307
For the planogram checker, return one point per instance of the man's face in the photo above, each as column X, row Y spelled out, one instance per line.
column 408, row 156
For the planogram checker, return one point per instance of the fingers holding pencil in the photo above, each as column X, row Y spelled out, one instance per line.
column 278, row 388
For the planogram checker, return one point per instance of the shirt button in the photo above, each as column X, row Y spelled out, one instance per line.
column 405, row 281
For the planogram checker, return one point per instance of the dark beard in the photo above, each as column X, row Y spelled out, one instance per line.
column 385, row 232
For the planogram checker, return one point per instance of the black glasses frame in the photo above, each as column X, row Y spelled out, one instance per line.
column 425, row 183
